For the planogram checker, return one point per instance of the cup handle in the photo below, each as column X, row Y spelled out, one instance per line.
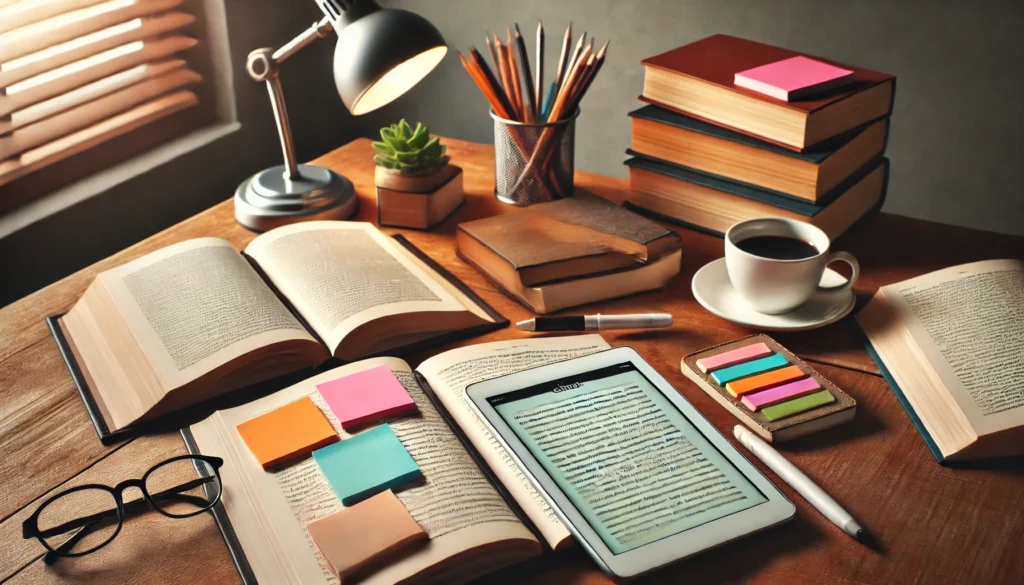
column 849, row 259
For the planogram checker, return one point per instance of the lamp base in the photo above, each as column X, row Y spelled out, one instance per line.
column 267, row 199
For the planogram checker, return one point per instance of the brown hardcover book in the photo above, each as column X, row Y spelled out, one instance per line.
column 713, row 204
column 559, row 240
column 196, row 319
column 697, row 80
column 692, row 143
column 841, row 410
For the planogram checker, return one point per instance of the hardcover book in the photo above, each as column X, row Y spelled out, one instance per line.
column 479, row 510
column 693, row 143
column 712, row 204
column 195, row 320
column 698, row 80
column 957, row 372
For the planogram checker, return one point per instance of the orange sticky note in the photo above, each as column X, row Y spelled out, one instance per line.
column 359, row 537
column 288, row 433
column 765, row 380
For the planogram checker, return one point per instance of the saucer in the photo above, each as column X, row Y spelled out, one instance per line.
column 713, row 290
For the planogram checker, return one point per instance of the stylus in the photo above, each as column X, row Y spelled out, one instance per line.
column 802, row 484
column 594, row 322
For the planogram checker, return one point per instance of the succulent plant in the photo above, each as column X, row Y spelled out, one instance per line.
column 409, row 150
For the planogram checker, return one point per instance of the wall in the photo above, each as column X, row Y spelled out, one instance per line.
column 957, row 126
column 104, row 224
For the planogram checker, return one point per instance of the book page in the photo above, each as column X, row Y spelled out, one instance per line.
column 449, row 373
column 455, row 504
column 340, row 275
column 196, row 305
column 969, row 323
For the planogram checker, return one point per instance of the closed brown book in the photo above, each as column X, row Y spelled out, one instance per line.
column 565, row 239
column 697, row 80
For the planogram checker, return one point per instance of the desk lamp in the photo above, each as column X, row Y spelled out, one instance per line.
column 381, row 53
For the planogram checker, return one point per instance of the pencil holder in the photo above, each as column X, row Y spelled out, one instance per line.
column 533, row 162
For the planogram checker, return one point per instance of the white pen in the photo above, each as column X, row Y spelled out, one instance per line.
column 593, row 322
column 802, row 484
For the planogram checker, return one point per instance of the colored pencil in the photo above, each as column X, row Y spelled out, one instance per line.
column 517, row 86
column 506, row 78
column 493, row 51
column 538, row 88
column 560, row 72
column 492, row 82
column 528, row 88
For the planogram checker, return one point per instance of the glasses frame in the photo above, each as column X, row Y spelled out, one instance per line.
column 30, row 527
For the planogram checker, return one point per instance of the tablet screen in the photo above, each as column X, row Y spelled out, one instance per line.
column 631, row 463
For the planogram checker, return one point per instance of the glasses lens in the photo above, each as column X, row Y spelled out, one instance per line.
column 183, row 487
column 79, row 522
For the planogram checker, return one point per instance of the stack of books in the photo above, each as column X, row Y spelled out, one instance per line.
column 714, row 147
column 570, row 252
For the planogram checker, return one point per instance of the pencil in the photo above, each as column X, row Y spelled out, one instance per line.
column 538, row 87
column 506, row 78
column 524, row 59
column 513, row 67
column 575, row 54
column 560, row 72
column 493, row 51
column 491, row 80
column 598, row 61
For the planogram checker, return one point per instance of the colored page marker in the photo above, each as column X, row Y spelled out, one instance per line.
column 756, row 400
column 798, row 405
column 729, row 374
column 731, row 358
column 765, row 380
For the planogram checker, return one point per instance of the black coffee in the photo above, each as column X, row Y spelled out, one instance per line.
column 777, row 247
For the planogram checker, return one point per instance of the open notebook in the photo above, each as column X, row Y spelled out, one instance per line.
column 197, row 319
column 474, row 525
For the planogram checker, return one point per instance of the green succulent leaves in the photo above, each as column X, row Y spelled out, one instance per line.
column 409, row 150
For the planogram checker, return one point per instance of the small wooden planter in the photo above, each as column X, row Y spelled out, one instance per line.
column 420, row 202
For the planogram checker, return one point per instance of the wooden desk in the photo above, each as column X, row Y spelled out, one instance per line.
column 937, row 524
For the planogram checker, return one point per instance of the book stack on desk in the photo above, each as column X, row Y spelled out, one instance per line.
column 709, row 152
column 570, row 252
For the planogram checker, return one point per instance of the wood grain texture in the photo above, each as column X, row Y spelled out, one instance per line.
column 938, row 524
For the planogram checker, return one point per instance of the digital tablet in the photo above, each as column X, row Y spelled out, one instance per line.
column 638, row 476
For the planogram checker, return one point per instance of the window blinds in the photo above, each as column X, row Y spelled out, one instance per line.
column 76, row 73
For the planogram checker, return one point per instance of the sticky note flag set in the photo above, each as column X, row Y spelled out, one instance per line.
column 768, row 388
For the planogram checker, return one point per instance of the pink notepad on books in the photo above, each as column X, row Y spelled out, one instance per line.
column 793, row 78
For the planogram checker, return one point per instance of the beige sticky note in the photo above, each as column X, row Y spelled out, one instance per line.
column 365, row 534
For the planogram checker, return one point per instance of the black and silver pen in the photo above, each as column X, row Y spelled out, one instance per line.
column 595, row 322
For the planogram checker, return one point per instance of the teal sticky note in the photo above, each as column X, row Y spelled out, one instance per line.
column 776, row 360
column 366, row 464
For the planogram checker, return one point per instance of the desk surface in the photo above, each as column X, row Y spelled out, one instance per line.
column 937, row 524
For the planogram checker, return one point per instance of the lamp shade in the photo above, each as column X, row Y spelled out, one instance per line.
column 381, row 55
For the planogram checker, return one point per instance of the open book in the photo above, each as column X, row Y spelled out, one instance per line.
column 472, row 529
column 950, row 343
column 197, row 319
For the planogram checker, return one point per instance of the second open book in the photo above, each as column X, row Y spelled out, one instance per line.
column 472, row 529
column 197, row 319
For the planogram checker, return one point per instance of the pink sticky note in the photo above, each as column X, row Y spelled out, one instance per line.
column 780, row 393
column 366, row 396
column 793, row 78
column 731, row 358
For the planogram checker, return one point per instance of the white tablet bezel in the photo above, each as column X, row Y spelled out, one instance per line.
column 661, row 552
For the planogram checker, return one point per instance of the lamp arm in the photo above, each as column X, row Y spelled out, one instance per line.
column 264, row 65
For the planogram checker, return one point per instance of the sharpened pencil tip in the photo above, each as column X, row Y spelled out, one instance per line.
column 516, row 25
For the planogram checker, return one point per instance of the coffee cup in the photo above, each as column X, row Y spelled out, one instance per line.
column 776, row 263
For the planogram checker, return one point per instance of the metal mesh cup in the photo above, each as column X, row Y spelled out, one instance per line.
column 533, row 162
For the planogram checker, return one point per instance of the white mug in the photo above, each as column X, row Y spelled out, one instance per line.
column 774, row 286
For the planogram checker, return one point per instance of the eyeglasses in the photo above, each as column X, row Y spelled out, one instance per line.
column 86, row 518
